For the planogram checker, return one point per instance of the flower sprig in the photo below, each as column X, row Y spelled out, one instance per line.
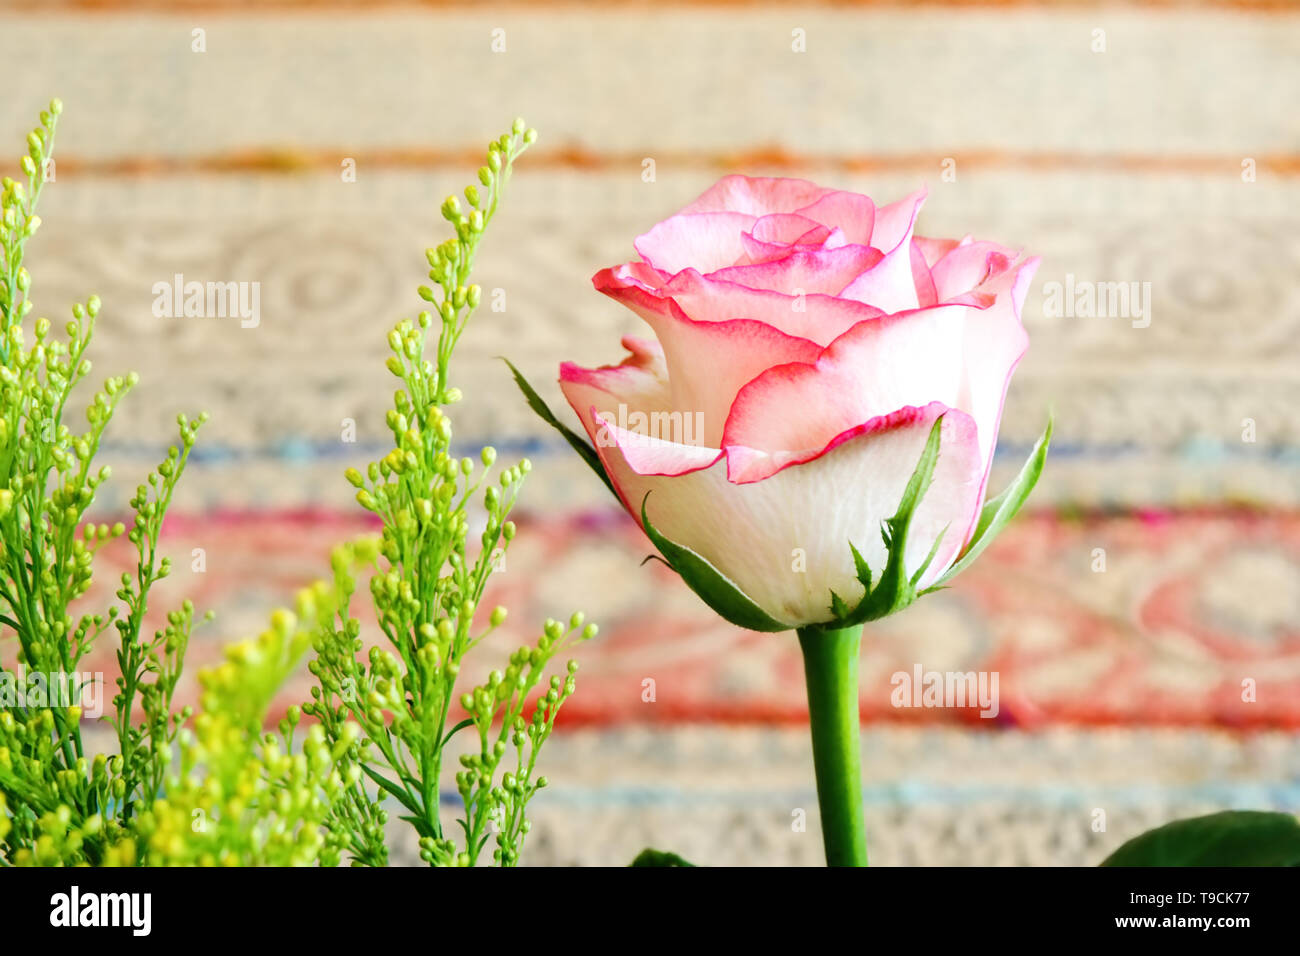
column 150, row 669
column 58, row 801
column 426, row 585
column 231, row 794
column 496, row 710
column 212, row 787
column 19, row 222
column 240, row 795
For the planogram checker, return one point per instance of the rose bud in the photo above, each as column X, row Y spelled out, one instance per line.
column 807, row 437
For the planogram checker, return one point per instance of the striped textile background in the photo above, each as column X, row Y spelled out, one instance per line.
column 1171, row 158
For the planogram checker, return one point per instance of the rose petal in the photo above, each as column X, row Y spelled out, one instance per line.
column 613, row 400
column 965, row 268
column 640, row 438
column 936, row 249
column 996, row 341
column 705, row 241
column 757, row 197
column 786, row 556
column 772, row 237
column 787, row 228
column 708, row 362
column 805, row 270
column 894, row 223
column 818, row 318
column 888, row 285
column 852, row 214
column 959, row 354
column 640, row 381
column 790, row 413
column 836, row 239
column 926, row 293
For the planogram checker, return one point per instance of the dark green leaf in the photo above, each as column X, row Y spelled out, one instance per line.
column 1000, row 510
column 467, row 722
column 388, row 786
column 576, row 441
column 1230, row 838
column 649, row 857
column 714, row 588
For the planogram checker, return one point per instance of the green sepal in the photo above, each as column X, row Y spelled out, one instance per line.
column 576, row 441
column 893, row 591
column 999, row 511
column 1230, row 838
column 652, row 857
column 714, row 588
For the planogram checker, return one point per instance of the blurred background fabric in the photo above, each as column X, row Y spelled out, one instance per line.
column 1143, row 616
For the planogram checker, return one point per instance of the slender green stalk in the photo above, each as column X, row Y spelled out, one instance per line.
column 427, row 580
column 830, row 660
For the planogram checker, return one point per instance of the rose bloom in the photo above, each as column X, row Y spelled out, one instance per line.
column 805, row 341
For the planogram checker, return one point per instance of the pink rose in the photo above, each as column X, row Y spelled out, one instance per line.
column 806, row 341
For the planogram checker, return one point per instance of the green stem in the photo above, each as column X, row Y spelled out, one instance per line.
column 830, row 660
